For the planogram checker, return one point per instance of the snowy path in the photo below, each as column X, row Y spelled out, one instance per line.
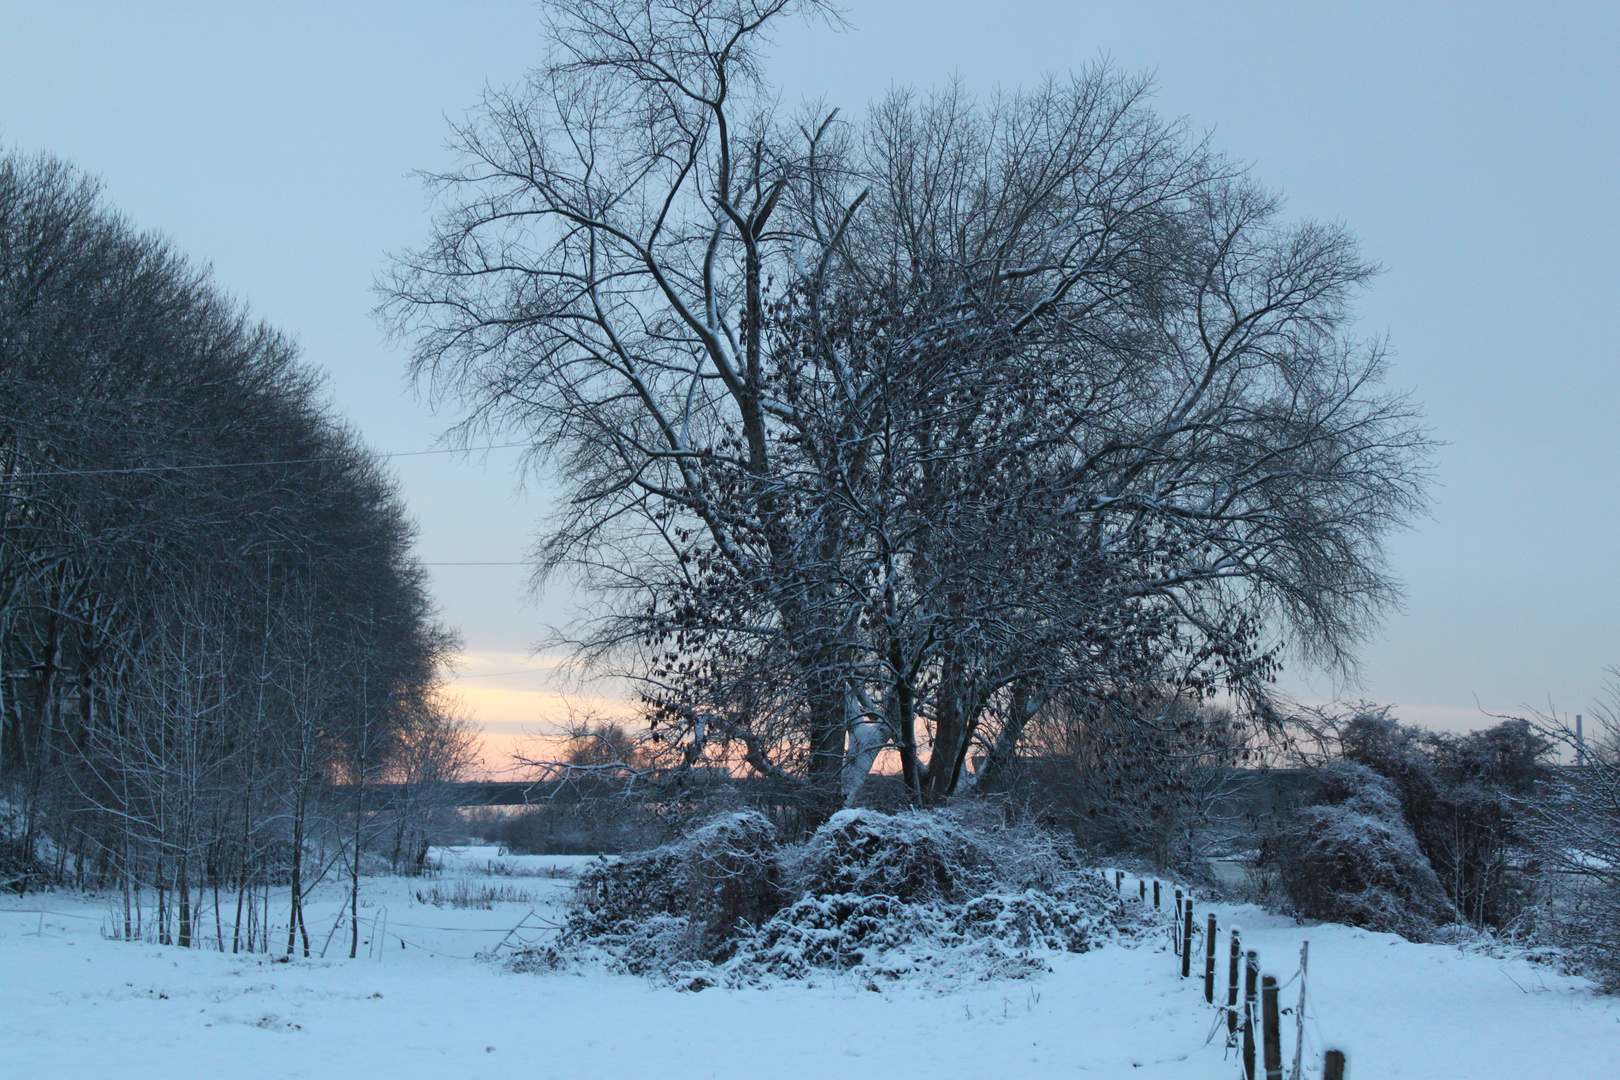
column 75, row 1005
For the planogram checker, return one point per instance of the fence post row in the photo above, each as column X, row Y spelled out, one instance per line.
column 1259, row 1007
column 1260, row 1002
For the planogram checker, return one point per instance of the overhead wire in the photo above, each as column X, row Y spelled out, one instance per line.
column 138, row 469
column 496, row 674
column 40, row 473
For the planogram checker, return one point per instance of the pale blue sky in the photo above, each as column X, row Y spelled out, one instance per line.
column 1475, row 148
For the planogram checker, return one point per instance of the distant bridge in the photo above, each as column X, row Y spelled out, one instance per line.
column 1265, row 788
column 554, row 792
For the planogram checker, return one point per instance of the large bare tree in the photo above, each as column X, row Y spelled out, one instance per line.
column 875, row 435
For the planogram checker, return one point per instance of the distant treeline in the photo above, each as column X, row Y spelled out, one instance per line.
column 209, row 613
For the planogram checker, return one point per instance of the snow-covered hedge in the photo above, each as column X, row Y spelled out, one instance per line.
column 871, row 894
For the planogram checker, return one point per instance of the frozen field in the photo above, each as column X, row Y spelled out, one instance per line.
column 73, row 1004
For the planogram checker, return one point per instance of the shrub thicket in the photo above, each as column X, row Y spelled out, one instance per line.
column 1406, row 829
column 1350, row 857
column 1463, row 796
column 1575, row 829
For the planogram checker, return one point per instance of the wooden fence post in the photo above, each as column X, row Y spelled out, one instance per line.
column 1299, row 1013
column 1209, row 961
column 1186, row 939
column 1232, row 983
column 1333, row 1065
column 1155, row 894
column 1119, row 881
column 1141, row 890
column 1272, row 1025
column 1251, row 974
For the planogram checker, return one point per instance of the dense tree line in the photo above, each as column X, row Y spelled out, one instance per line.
column 887, row 434
column 210, row 619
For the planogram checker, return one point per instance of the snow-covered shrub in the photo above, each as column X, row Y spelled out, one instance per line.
column 1038, row 920
column 464, row 894
column 21, row 867
column 17, row 868
column 1589, row 929
column 839, row 931
column 910, row 856
column 889, row 895
column 685, row 901
column 1136, row 775
column 1350, row 857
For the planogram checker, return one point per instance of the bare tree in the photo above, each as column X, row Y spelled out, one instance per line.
column 876, row 436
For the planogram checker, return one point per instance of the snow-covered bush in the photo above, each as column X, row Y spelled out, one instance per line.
column 463, row 894
column 887, row 894
column 1589, row 928
column 18, row 869
column 685, row 901
column 1350, row 857
column 909, row 856
column 840, row 931
column 1071, row 922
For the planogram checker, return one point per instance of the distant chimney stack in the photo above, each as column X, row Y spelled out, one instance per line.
column 1580, row 742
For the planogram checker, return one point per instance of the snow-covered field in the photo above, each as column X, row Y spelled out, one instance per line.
column 73, row 1004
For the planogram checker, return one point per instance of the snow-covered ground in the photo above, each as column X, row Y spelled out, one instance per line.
column 73, row 1004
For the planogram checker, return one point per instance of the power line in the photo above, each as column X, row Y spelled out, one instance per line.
column 248, row 464
column 496, row 674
